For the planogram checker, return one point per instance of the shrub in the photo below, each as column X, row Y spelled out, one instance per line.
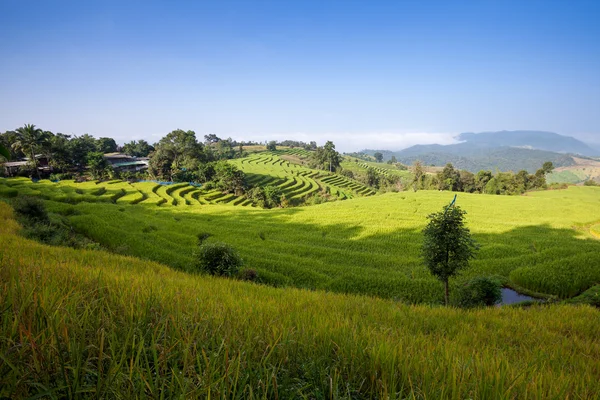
column 217, row 258
column 248, row 275
column 479, row 292
column 60, row 177
column 591, row 182
column 347, row 173
column 31, row 208
column 268, row 196
column 202, row 237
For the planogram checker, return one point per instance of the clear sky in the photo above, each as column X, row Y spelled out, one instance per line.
column 383, row 74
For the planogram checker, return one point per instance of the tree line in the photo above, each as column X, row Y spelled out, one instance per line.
column 177, row 157
column 455, row 180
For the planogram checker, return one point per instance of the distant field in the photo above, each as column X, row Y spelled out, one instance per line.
column 583, row 170
column 90, row 324
column 542, row 242
column 357, row 165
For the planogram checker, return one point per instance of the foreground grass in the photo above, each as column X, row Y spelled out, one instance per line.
column 92, row 324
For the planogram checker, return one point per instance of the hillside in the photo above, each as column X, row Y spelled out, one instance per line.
column 369, row 245
column 89, row 324
column 505, row 151
column 584, row 169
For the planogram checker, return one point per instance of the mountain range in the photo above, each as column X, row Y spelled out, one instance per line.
column 504, row 151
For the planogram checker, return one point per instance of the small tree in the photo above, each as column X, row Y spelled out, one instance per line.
column 447, row 245
column 378, row 157
column 418, row 175
column 272, row 145
column 97, row 164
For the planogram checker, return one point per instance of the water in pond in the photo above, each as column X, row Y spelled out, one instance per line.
column 509, row 296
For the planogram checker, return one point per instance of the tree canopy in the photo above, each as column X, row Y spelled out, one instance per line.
column 447, row 244
column 326, row 157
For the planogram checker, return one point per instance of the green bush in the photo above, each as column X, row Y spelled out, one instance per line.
column 60, row 177
column 217, row 258
column 249, row 275
column 269, row 196
column 479, row 292
column 31, row 208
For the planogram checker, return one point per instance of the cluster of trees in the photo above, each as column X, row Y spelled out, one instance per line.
column 486, row 182
column 298, row 143
column 64, row 152
column 272, row 145
column 326, row 157
column 180, row 157
column 268, row 196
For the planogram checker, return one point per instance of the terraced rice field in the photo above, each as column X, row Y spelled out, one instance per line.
column 83, row 323
column 297, row 182
column 120, row 192
column 543, row 242
column 359, row 166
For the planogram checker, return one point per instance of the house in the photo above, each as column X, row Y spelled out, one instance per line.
column 12, row 168
column 125, row 163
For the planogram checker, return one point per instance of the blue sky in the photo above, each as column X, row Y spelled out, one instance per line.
column 362, row 73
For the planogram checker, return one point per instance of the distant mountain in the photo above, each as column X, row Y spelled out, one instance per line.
column 537, row 140
column 505, row 151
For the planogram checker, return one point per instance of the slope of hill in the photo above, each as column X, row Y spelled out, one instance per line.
column 506, row 150
column 502, row 159
column 584, row 169
column 90, row 324
column 368, row 245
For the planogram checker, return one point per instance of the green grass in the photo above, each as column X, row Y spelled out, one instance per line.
column 543, row 242
column 89, row 324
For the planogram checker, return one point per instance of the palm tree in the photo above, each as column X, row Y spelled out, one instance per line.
column 30, row 140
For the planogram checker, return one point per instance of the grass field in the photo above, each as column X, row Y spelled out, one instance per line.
column 543, row 242
column 90, row 324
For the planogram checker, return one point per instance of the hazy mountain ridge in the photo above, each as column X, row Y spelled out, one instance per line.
column 504, row 150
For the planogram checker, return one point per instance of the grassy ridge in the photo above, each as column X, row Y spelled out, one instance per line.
column 91, row 324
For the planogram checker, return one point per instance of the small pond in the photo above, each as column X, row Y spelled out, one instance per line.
column 509, row 296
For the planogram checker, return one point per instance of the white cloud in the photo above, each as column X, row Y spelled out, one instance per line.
column 349, row 142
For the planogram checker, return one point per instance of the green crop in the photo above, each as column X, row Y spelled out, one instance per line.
column 544, row 242
column 90, row 324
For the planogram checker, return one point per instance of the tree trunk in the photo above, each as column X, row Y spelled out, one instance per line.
column 447, row 291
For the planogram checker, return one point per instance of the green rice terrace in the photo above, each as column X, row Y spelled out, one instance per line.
column 357, row 165
column 543, row 243
column 82, row 323
column 296, row 181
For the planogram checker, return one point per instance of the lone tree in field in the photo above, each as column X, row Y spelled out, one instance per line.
column 447, row 246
